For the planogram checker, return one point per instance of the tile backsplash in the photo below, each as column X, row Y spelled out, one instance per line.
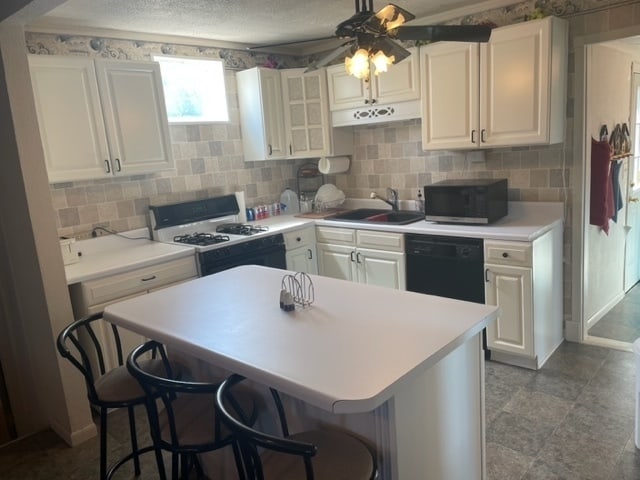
column 209, row 157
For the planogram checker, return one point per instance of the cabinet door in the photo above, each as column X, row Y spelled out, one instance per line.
column 337, row 261
column 261, row 116
column 303, row 260
column 345, row 91
column 385, row 269
column 450, row 90
column 306, row 112
column 510, row 288
column 70, row 117
column 400, row 83
column 135, row 116
column 271, row 89
column 514, row 103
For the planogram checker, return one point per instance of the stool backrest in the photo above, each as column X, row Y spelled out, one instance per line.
column 80, row 344
column 250, row 440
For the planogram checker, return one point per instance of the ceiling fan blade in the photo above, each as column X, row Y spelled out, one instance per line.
column 437, row 33
column 391, row 48
column 285, row 44
column 387, row 18
column 323, row 61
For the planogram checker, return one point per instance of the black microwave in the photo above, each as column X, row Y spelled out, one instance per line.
column 473, row 201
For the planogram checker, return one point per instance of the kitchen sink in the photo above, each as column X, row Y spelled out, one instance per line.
column 378, row 215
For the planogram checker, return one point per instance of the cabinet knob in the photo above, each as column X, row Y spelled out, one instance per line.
column 298, row 239
column 366, row 102
column 373, row 101
column 505, row 255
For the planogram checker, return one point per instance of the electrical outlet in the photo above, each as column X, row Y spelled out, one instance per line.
column 83, row 235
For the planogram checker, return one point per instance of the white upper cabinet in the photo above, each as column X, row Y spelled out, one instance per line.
column 285, row 114
column 135, row 115
column 306, row 113
column 99, row 119
column 354, row 101
column 510, row 91
column 261, row 114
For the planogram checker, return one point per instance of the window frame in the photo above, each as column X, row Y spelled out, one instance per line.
column 174, row 120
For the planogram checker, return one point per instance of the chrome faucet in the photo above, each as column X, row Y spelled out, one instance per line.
column 392, row 200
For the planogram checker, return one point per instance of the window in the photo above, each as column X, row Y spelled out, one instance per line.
column 193, row 89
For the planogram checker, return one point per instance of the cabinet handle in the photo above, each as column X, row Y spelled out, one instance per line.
column 148, row 279
column 107, row 166
column 270, row 150
column 118, row 165
column 290, row 150
column 473, row 136
column 351, row 256
column 310, row 253
column 373, row 101
column 482, row 132
column 486, row 275
column 358, row 258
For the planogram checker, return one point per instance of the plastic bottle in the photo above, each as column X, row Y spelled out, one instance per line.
column 289, row 198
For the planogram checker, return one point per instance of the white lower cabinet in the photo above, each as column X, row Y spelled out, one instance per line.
column 511, row 289
column 93, row 296
column 364, row 256
column 301, row 250
column 525, row 280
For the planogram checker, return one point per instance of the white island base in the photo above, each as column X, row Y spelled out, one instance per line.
column 431, row 429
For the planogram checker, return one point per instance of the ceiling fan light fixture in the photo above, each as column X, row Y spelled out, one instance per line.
column 358, row 65
column 381, row 62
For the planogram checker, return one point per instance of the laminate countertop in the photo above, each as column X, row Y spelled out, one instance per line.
column 350, row 351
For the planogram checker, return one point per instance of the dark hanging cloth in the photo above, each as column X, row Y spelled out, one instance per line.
column 617, row 194
column 601, row 201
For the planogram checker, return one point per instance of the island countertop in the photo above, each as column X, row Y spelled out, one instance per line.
column 348, row 352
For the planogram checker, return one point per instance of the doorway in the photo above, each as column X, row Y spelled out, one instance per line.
column 611, row 304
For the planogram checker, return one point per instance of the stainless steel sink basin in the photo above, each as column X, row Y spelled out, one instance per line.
column 377, row 215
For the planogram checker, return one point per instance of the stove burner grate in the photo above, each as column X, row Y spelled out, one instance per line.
column 201, row 239
column 241, row 229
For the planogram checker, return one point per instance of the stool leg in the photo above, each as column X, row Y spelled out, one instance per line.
column 134, row 441
column 103, row 443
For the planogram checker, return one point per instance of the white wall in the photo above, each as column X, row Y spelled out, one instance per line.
column 608, row 102
column 36, row 303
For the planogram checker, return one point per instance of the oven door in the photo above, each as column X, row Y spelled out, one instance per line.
column 273, row 256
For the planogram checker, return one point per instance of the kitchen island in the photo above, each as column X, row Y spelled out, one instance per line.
column 407, row 367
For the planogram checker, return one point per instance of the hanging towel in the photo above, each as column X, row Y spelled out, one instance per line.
column 617, row 194
column 601, row 201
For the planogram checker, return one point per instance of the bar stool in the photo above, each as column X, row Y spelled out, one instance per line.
column 106, row 390
column 327, row 454
column 187, row 423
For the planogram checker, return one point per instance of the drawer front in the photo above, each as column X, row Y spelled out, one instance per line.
column 508, row 253
column 129, row 283
column 341, row 236
column 392, row 242
column 300, row 238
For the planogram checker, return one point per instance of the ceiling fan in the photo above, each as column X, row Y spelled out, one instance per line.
column 374, row 32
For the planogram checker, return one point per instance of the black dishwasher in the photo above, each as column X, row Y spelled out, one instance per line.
column 446, row 266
